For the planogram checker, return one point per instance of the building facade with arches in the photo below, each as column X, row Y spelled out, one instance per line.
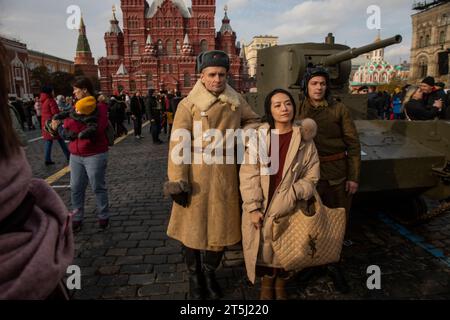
column 430, row 45
column 159, row 43
column 18, row 75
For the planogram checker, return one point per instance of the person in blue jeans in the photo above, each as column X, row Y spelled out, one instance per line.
column 91, row 170
column 50, row 109
column 48, row 150
column 88, row 155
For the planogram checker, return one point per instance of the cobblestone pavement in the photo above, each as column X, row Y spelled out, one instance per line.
column 134, row 258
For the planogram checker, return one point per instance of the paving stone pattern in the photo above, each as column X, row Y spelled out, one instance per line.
column 134, row 258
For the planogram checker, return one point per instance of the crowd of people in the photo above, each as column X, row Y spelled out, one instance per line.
column 427, row 101
column 29, row 111
column 159, row 109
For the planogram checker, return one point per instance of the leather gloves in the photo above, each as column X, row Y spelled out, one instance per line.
column 181, row 198
column 179, row 192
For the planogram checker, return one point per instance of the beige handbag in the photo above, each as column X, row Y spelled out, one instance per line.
column 311, row 236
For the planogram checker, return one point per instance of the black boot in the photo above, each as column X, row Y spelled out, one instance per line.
column 338, row 278
column 211, row 262
column 196, row 279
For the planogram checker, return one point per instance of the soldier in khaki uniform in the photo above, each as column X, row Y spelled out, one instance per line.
column 338, row 146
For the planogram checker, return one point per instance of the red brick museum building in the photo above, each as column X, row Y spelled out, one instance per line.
column 158, row 45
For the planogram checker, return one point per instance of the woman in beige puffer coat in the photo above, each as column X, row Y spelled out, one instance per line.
column 267, row 196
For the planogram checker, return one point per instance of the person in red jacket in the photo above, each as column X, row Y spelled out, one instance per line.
column 48, row 110
column 88, row 157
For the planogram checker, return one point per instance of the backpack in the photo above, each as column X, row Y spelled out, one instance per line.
column 110, row 134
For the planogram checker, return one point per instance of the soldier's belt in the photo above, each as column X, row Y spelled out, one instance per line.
column 333, row 157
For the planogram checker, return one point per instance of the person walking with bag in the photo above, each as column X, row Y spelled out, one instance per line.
column 274, row 195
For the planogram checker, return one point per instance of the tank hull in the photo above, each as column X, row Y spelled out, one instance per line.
column 404, row 157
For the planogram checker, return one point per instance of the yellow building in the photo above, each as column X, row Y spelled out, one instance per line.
column 251, row 51
column 53, row 64
column 430, row 45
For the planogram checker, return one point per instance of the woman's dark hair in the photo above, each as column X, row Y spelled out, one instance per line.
column 9, row 142
column 84, row 83
column 268, row 103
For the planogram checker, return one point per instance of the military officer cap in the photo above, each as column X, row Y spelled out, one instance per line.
column 214, row 58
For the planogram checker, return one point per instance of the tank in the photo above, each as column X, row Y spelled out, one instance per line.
column 284, row 66
column 403, row 162
column 405, row 165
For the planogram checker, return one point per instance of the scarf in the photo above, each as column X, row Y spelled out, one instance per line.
column 36, row 240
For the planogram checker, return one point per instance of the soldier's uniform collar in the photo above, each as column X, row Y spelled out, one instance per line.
column 321, row 104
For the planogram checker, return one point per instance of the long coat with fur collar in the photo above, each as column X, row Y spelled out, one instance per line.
column 212, row 219
column 301, row 172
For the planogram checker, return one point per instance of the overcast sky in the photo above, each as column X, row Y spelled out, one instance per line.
column 42, row 24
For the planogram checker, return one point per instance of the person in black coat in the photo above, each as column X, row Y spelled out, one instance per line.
column 137, row 111
column 18, row 106
column 386, row 102
column 447, row 112
column 415, row 107
column 117, row 115
column 431, row 96
column 442, row 95
column 174, row 102
column 154, row 115
column 28, row 108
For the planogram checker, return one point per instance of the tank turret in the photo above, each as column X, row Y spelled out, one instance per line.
column 284, row 66
column 355, row 52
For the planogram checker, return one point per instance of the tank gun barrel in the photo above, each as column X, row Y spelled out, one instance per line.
column 354, row 52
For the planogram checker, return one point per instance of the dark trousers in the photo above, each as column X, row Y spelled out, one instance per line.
column 335, row 196
column 155, row 130
column 201, row 272
column 210, row 262
column 30, row 123
column 137, row 126
column 48, row 149
column 119, row 128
